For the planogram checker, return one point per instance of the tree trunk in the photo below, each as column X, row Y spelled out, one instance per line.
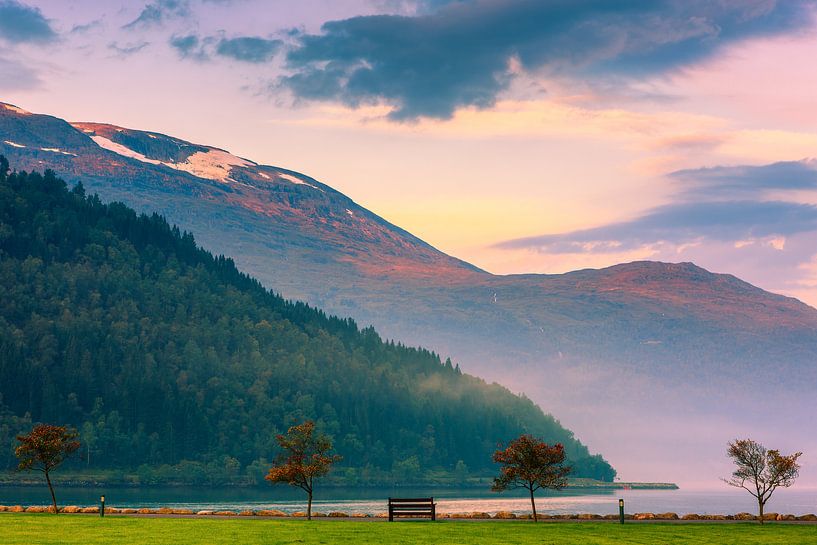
column 51, row 488
column 533, row 504
column 760, row 509
column 309, row 506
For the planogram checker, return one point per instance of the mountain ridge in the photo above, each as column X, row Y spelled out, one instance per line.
column 110, row 130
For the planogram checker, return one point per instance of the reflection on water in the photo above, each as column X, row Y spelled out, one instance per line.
column 373, row 500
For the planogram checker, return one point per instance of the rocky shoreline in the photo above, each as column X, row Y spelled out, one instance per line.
column 501, row 515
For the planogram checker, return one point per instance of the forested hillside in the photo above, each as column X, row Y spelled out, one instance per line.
column 162, row 354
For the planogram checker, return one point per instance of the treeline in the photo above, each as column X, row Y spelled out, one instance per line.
column 162, row 355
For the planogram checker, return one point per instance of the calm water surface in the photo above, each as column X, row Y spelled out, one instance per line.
column 373, row 500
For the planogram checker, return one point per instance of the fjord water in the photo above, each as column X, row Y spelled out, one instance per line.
column 373, row 500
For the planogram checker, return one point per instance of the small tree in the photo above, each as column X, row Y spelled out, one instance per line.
column 761, row 471
column 305, row 456
column 44, row 449
column 531, row 464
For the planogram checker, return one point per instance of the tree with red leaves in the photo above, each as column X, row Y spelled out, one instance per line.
column 305, row 456
column 532, row 464
column 45, row 449
column 761, row 471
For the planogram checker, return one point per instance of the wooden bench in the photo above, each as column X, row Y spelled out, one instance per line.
column 412, row 507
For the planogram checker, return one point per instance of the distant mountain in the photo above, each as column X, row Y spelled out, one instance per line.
column 162, row 354
column 666, row 344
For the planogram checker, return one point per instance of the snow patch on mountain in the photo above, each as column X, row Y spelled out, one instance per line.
column 57, row 150
column 207, row 162
column 214, row 164
column 294, row 180
column 13, row 144
column 110, row 145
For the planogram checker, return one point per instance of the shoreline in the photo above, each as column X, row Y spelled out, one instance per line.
column 338, row 515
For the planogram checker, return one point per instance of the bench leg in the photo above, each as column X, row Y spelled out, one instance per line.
column 433, row 512
column 391, row 514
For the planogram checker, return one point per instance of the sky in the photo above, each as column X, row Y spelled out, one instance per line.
column 520, row 135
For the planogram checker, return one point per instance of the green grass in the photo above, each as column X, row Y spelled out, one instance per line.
column 43, row 529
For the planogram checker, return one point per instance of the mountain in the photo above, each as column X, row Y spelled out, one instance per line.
column 682, row 351
column 162, row 354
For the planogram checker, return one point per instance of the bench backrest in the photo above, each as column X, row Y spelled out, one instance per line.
column 397, row 502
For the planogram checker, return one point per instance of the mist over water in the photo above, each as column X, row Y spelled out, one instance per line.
column 654, row 430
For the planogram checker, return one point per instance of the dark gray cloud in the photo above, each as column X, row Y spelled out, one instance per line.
column 22, row 23
column 718, row 204
column 248, row 48
column 126, row 50
column 188, row 46
column 81, row 29
column 458, row 53
column 156, row 13
column 724, row 221
column 741, row 180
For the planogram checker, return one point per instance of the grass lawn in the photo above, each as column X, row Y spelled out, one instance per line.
column 41, row 529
